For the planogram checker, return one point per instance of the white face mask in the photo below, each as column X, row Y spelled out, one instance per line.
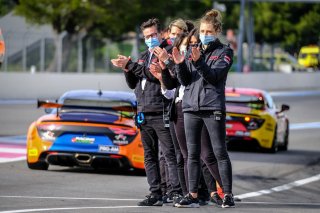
column 183, row 49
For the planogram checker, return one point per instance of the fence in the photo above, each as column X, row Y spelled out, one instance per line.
column 40, row 52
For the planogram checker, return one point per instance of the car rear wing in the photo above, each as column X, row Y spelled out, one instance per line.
column 46, row 104
column 245, row 102
column 253, row 104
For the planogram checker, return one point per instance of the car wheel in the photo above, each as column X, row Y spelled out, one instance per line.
column 274, row 147
column 286, row 139
column 41, row 165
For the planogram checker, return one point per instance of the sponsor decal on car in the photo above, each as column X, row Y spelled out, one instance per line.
column 229, row 126
column 109, row 149
column 242, row 133
column 84, row 140
column 138, row 158
column 120, row 139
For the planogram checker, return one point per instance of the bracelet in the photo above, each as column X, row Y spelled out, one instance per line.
column 167, row 61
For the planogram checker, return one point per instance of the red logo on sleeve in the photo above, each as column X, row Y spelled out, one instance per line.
column 227, row 59
column 213, row 58
column 141, row 61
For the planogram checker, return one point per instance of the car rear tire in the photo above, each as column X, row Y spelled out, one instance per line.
column 274, row 147
column 38, row 166
column 286, row 139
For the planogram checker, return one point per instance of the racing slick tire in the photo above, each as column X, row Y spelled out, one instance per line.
column 274, row 147
column 284, row 147
column 41, row 165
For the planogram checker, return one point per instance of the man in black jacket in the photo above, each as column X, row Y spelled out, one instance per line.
column 151, row 107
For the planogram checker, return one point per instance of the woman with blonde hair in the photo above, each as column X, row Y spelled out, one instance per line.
column 204, row 76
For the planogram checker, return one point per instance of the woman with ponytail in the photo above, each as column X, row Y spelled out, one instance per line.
column 204, row 74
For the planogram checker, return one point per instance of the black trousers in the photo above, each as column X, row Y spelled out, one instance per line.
column 151, row 132
column 210, row 169
column 194, row 123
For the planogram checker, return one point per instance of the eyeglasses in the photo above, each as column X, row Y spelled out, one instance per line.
column 151, row 36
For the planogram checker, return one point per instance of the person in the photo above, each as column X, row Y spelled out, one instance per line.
column 204, row 77
column 2, row 48
column 169, row 81
column 175, row 29
column 151, row 105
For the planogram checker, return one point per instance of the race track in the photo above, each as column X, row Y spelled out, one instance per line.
column 282, row 182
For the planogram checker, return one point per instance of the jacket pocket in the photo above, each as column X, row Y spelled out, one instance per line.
column 208, row 96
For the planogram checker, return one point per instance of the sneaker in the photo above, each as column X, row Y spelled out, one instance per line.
column 167, row 198
column 216, row 199
column 202, row 202
column 176, row 199
column 189, row 202
column 152, row 200
column 228, row 201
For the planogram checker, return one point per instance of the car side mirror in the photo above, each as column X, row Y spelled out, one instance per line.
column 284, row 107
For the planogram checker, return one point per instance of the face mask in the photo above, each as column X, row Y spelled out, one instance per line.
column 172, row 40
column 152, row 42
column 206, row 39
column 183, row 50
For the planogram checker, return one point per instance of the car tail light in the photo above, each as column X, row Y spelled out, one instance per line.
column 253, row 123
column 47, row 132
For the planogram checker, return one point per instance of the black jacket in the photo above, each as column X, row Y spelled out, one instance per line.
column 205, row 79
column 150, row 99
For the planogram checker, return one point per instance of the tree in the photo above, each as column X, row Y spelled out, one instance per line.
column 101, row 19
column 290, row 24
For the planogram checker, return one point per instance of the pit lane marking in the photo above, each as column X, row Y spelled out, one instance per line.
column 69, row 208
column 280, row 188
column 242, row 196
column 71, row 198
column 311, row 125
column 282, row 204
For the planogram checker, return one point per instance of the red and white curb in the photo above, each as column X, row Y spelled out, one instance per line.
column 11, row 153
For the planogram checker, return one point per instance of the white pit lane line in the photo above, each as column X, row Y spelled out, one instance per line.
column 280, row 188
column 242, row 196
column 70, row 208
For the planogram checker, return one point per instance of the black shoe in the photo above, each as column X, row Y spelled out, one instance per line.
column 152, row 200
column 228, row 201
column 189, row 202
column 176, row 199
column 202, row 202
column 167, row 198
column 216, row 199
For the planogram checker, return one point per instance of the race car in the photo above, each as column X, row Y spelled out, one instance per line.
column 253, row 119
column 86, row 128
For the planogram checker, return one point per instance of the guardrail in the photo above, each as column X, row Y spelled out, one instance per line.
column 52, row 85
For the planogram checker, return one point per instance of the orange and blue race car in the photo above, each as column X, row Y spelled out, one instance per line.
column 253, row 119
column 86, row 128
